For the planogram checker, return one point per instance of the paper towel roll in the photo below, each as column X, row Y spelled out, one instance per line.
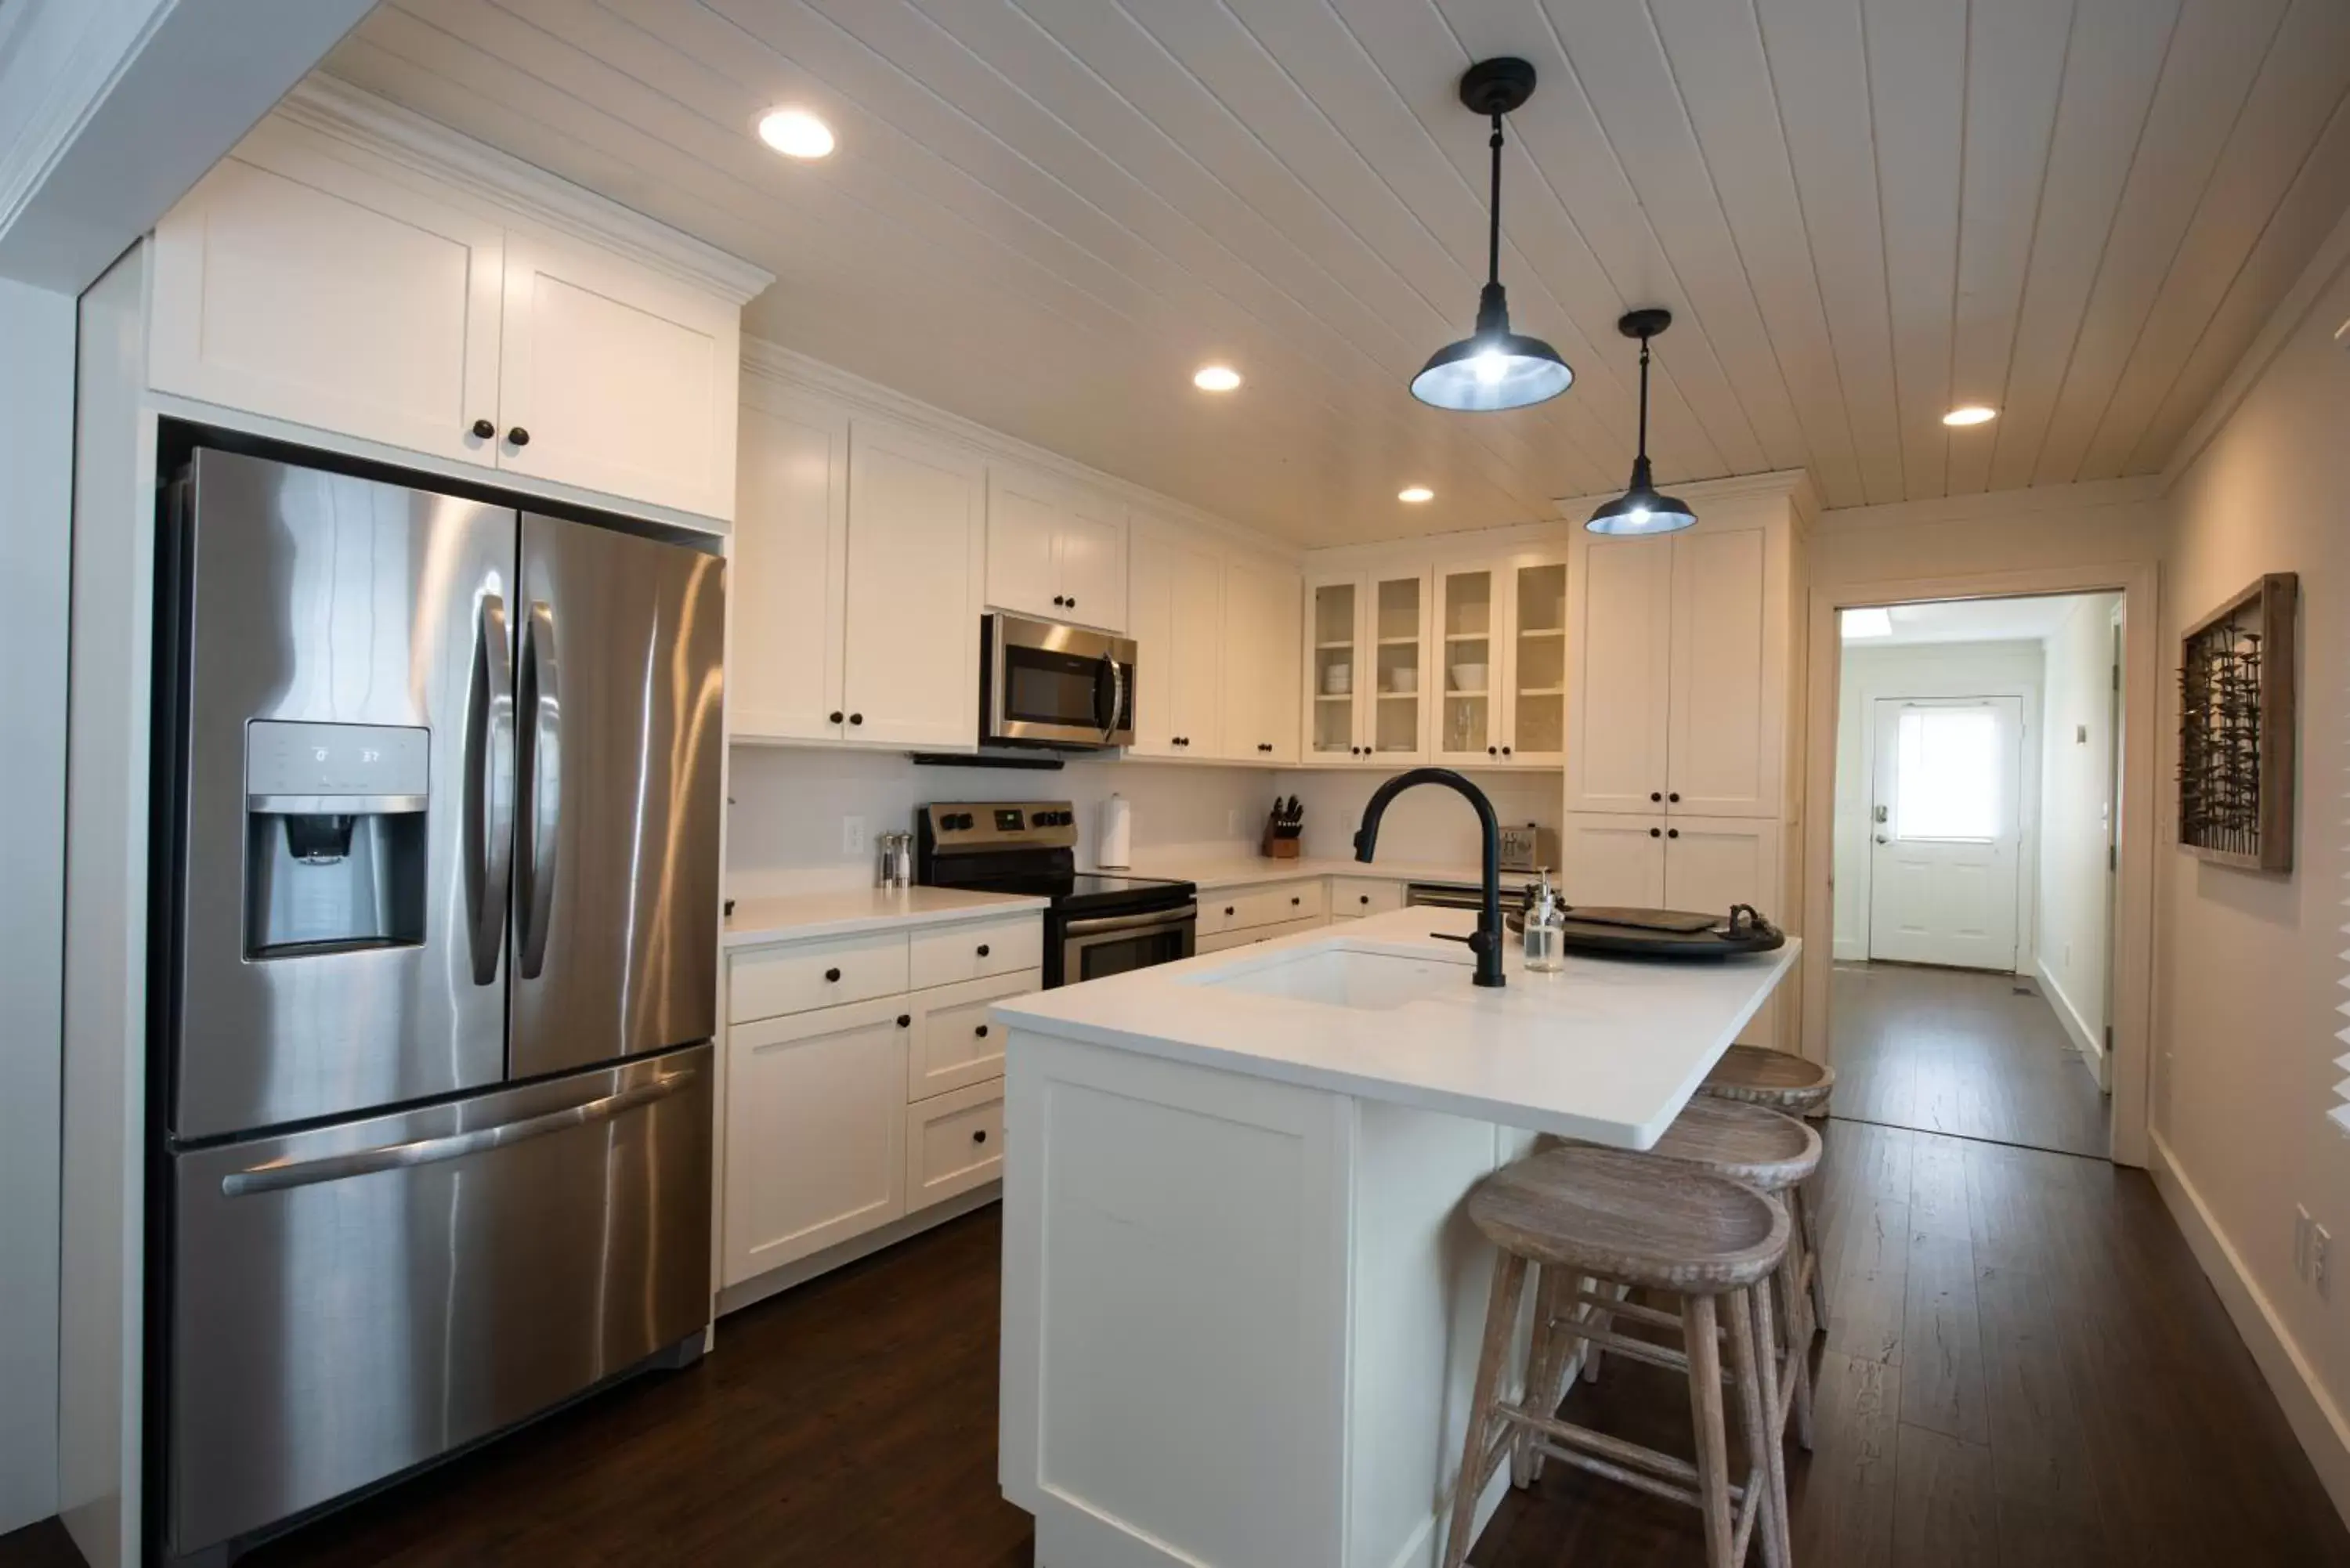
column 1114, row 838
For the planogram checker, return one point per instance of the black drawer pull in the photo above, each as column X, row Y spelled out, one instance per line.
column 484, row 430
column 983, row 950
column 1672, row 833
column 980, row 1031
column 1228, row 910
column 1656, row 832
column 832, row 974
column 834, row 717
column 1367, row 898
column 978, row 1137
column 905, row 1020
column 1295, row 902
column 518, row 436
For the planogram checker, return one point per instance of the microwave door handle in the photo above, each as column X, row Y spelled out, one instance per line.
column 542, row 786
column 490, row 786
column 1117, row 673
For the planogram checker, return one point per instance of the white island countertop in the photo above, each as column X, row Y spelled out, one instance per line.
column 1213, row 872
column 842, row 912
column 1606, row 1050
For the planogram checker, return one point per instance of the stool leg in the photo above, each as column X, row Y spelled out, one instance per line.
column 1796, row 1385
column 1778, row 1548
column 1698, row 1332
column 1501, row 1325
column 1546, row 1358
column 1805, row 1226
column 1601, row 1320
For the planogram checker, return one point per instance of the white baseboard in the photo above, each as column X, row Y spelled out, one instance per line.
column 1851, row 949
column 2315, row 1418
column 759, row 1287
column 2091, row 1046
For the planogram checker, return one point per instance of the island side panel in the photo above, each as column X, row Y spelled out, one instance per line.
column 1175, row 1299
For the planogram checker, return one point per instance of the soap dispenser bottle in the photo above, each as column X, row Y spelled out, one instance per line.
column 1545, row 929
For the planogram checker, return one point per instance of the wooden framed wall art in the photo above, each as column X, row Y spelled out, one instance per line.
column 2236, row 726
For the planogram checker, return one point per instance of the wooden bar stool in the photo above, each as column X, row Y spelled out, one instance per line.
column 1799, row 1088
column 1628, row 1221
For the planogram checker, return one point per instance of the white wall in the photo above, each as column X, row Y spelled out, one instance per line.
column 783, row 829
column 2077, row 782
column 37, row 378
column 1429, row 826
column 2249, row 977
column 1925, row 670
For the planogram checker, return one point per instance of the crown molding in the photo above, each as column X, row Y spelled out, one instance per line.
column 61, row 59
column 326, row 106
column 769, row 367
column 2139, row 489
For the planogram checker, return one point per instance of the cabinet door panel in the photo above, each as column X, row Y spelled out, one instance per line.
column 1023, row 527
column 1533, row 730
column 917, row 550
column 1724, row 679
column 1614, row 861
column 789, row 572
column 311, row 290
column 1334, row 624
column 1091, row 550
column 1468, row 673
column 1713, row 863
column 624, row 383
column 1198, row 691
column 953, row 1143
column 816, row 1128
column 1621, row 675
column 955, row 1043
column 1261, row 641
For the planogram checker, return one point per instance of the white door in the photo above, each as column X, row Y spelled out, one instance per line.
column 1621, row 679
column 1723, row 676
column 616, row 381
column 789, row 574
column 1712, row 863
column 1612, row 861
column 917, row 554
column 313, row 292
column 1945, row 814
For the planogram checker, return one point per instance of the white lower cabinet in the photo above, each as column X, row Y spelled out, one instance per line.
column 864, row 1081
column 1356, row 898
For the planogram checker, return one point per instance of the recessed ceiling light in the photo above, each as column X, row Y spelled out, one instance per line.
column 795, row 133
column 1415, row 494
column 1864, row 623
column 1970, row 414
column 1215, row 378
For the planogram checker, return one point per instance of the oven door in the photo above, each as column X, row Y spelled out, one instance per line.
column 1112, row 944
column 1046, row 684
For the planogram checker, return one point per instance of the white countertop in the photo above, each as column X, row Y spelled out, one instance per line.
column 840, row 912
column 1607, row 1050
column 1211, row 872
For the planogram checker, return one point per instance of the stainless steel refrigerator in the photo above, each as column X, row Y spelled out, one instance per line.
column 435, row 977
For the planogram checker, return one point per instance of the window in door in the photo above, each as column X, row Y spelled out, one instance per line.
column 1949, row 784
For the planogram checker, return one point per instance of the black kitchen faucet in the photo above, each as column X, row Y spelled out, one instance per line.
column 1487, row 941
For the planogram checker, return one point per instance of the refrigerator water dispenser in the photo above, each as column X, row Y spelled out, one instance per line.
column 335, row 837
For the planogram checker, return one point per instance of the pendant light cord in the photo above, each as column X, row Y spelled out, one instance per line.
column 1493, row 234
column 1644, row 397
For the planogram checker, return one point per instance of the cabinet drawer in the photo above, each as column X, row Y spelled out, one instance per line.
column 955, row 1045
column 1242, row 908
column 1224, row 942
column 764, row 982
column 952, row 954
column 1352, row 898
column 954, row 1142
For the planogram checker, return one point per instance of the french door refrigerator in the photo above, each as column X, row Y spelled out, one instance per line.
column 435, row 969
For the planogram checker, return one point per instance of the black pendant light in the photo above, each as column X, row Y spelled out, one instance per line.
column 1640, row 510
column 1493, row 368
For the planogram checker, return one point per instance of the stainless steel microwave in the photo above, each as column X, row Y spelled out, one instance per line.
column 1044, row 684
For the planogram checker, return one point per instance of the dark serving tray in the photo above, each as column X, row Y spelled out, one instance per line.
column 1663, row 933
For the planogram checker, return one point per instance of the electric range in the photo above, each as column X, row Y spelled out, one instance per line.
column 1099, row 923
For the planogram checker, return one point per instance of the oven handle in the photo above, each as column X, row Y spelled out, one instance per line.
column 1107, row 923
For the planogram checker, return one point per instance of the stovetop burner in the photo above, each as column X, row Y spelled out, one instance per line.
column 1029, row 847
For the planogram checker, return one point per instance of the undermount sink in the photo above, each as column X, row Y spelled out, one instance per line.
column 1345, row 977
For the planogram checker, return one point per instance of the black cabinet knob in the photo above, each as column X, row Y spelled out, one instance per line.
column 1672, row 833
column 832, row 974
column 856, row 718
column 1656, row 832
column 905, row 1020
column 1656, row 795
column 1057, row 598
column 1367, row 898
column 1492, row 751
column 978, row 1137
column 1072, row 604
column 980, row 1031
column 1294, row 902
column 1674, row 796
column 518, row 437
column 1505, row 751
column 834, row 717
column 484, row 430
column 1228, row 910
column 983, row 950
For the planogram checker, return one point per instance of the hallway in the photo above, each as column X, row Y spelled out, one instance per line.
column 1962, row 1052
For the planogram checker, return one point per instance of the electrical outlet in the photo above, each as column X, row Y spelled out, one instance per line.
column 2301, row 1225
column 2320, row 1259
column 852, row 836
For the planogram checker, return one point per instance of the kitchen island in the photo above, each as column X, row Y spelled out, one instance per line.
column 1240, row 1305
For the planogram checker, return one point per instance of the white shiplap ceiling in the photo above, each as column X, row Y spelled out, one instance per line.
column 1045, row 214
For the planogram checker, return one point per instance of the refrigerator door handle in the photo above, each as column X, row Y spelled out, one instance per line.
column 455, row 1145
column 490, row 784
column 542, row 784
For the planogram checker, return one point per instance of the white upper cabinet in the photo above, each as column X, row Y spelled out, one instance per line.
column 312, row 292
column 1365, row 664
column 1533, row 717
column 1499, row 657
column 916, row 559
column 1055, row 551
column 612, row 380
column 310, row 279
column 789, row 575
column 1262, row 614
column 1681, row 672
column 1175, row 604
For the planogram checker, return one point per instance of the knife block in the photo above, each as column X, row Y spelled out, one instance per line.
column 1279, row 848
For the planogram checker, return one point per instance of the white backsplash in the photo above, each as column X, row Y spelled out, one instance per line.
column 1429, row 825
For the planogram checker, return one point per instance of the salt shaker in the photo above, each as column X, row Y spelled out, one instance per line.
column 1546, row 929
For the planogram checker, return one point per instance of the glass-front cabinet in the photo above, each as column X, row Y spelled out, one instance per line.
column 1502, row 663
column 1368, row 650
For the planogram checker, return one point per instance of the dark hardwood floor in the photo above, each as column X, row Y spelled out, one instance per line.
column 1962, row 1052
column 2024, row 1368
